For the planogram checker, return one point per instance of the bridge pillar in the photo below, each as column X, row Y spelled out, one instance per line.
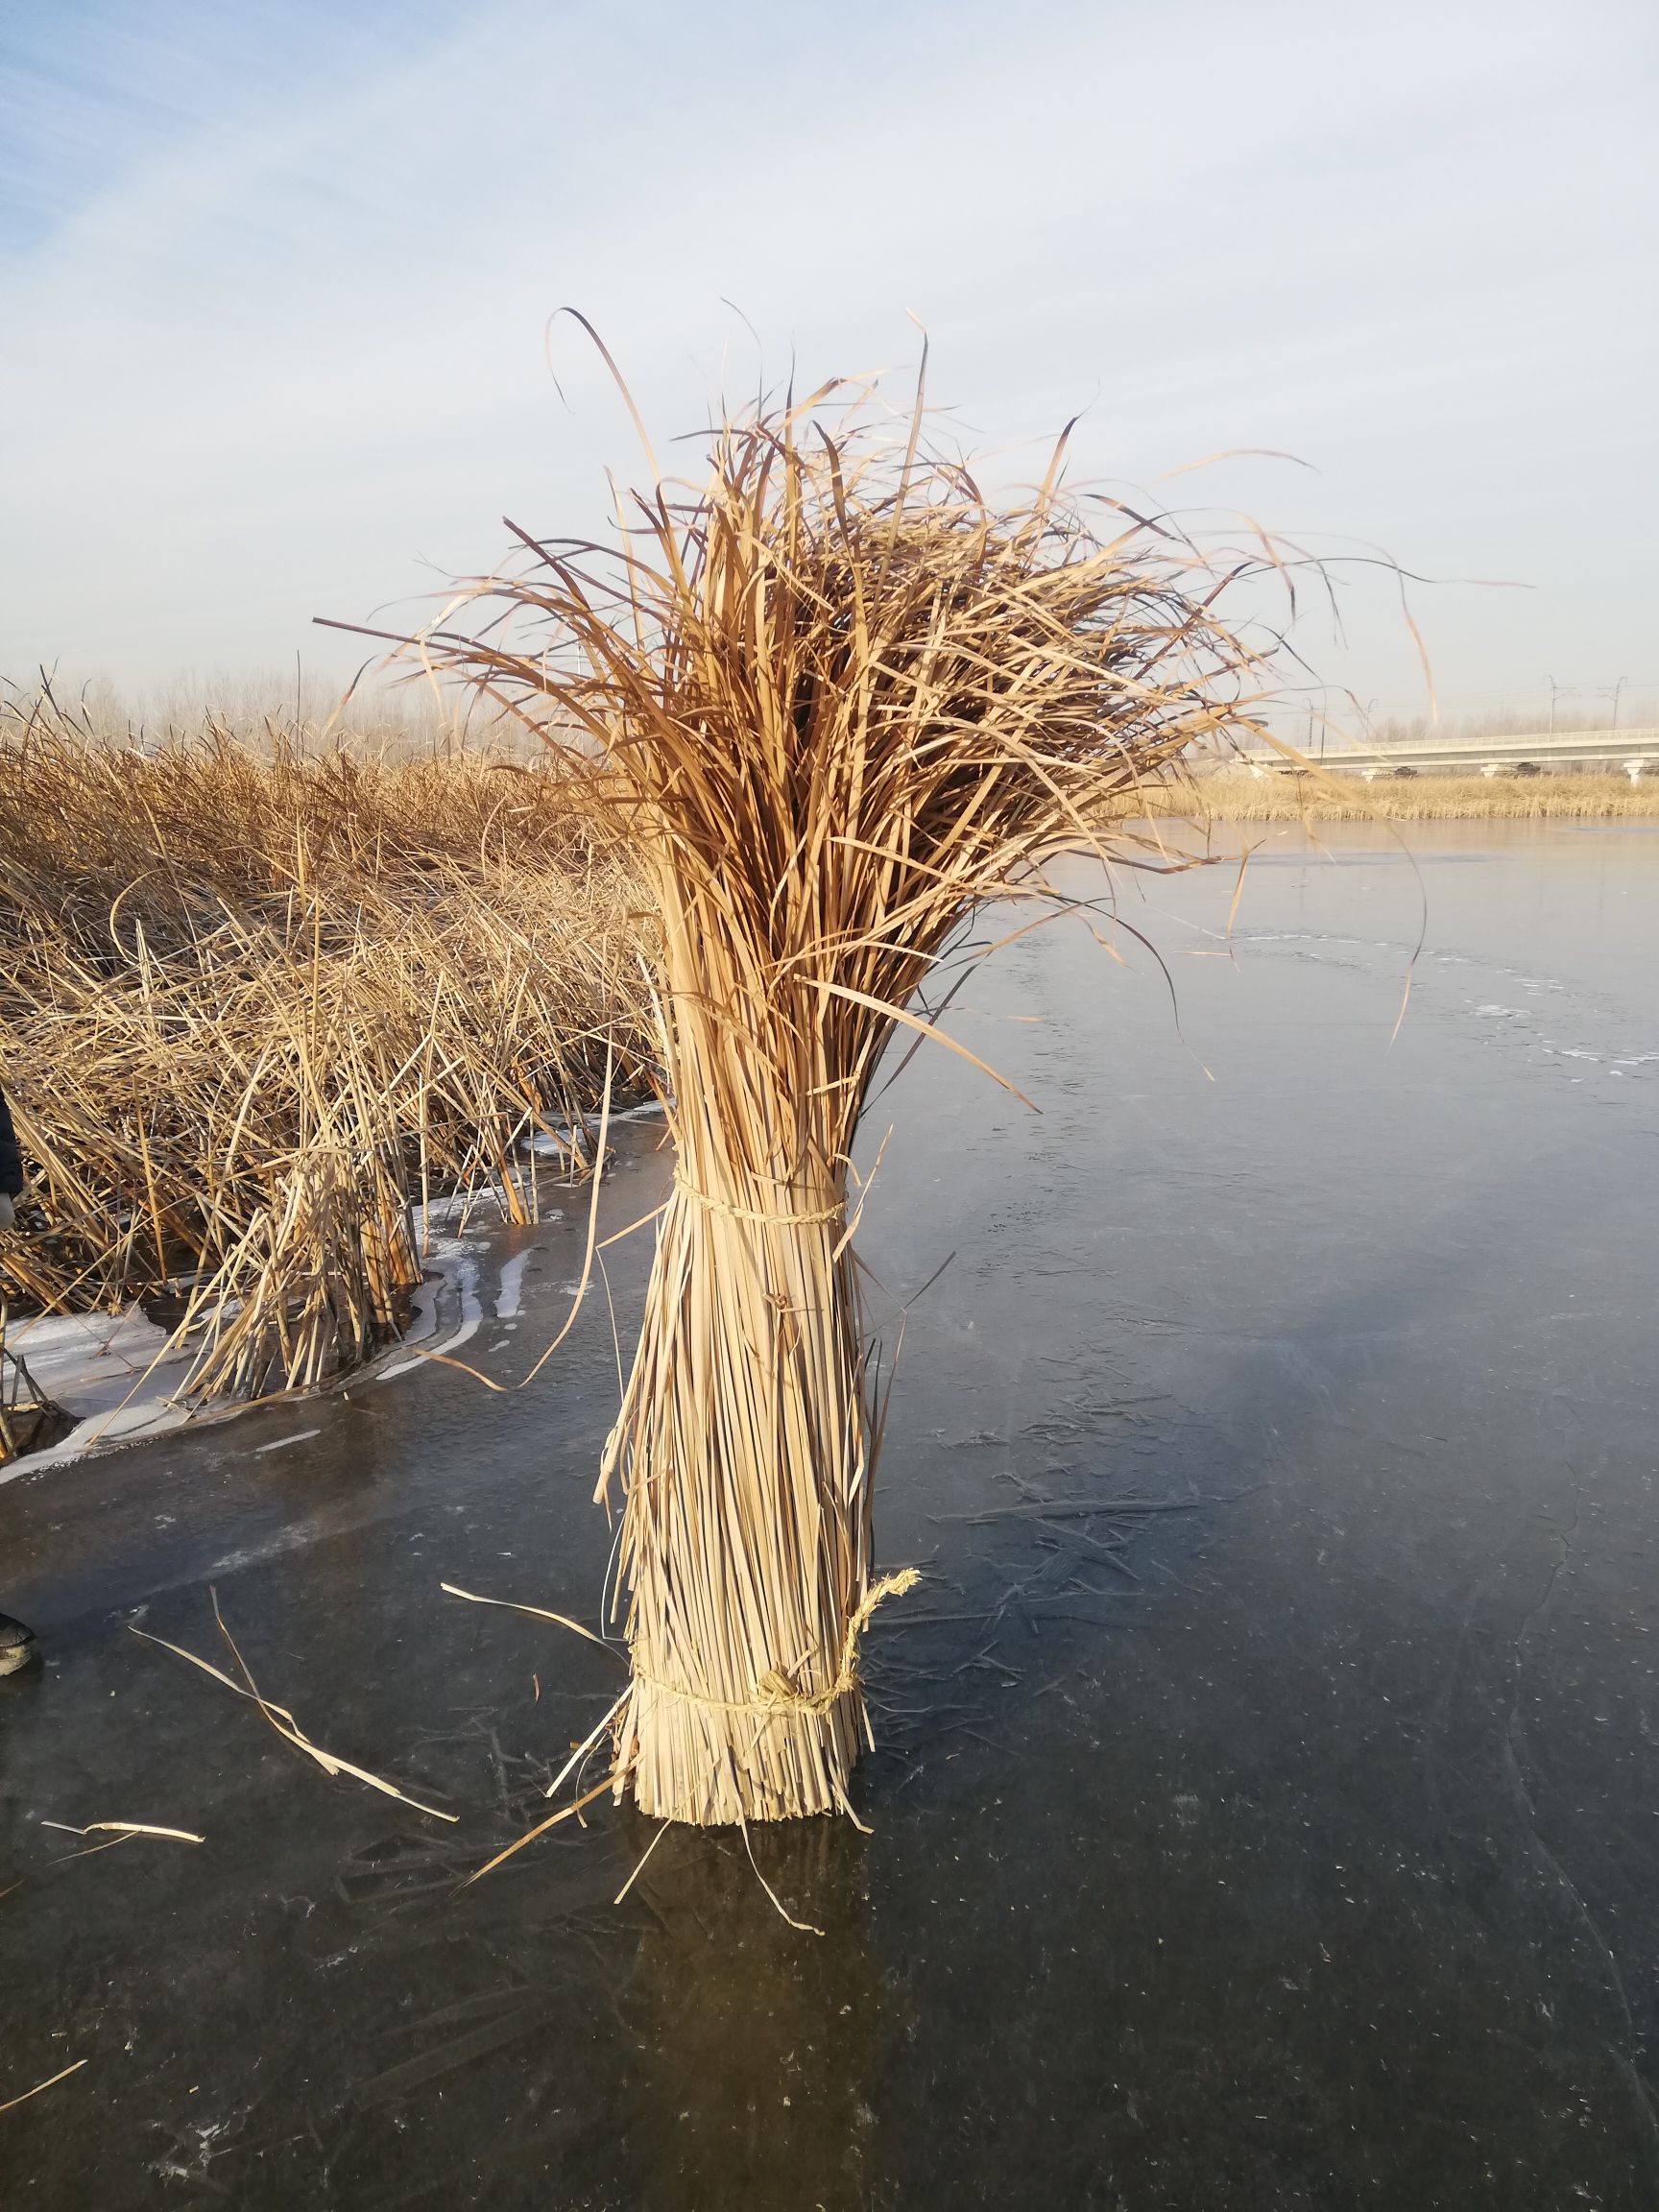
column 1633, row 768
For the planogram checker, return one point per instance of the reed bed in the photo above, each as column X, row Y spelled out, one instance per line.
column 841, row 701
column 255, row 999
column 1236, row 795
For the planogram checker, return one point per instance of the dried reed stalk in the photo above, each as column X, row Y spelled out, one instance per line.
column 842, row 701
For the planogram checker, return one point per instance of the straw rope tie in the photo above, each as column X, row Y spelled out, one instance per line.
column 749, row 1214
column 775, row 1694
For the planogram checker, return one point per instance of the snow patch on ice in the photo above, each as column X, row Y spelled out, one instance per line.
column 471, row 1307
column 508, row 1296
column 281, row 1443
column 115, row 1373
column 452, row 1269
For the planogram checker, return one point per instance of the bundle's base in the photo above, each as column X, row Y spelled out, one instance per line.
column 720, row 1766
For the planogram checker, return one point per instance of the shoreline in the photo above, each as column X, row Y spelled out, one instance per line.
column 1238, row 796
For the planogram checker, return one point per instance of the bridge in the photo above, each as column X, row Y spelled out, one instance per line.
column 1630, row 749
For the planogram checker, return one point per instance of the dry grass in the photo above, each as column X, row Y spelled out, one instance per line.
column 843, row 701
column 1236, row 795
column 253, row 1000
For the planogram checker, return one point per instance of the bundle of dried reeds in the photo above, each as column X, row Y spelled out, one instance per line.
column 254, row 996
column 844, row 701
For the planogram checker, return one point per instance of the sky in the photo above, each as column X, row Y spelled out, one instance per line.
column 278, row 281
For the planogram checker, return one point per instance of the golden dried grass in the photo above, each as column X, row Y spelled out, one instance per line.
column 253, row 997
column 1236, row 795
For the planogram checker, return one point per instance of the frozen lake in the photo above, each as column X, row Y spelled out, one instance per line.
column 1266, row 1805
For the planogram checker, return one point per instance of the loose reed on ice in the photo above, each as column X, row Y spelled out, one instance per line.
column 842, row 700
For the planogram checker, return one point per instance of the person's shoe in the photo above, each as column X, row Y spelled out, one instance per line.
column 17, row 1644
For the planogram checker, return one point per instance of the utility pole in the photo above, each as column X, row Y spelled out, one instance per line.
column 1617, row 688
